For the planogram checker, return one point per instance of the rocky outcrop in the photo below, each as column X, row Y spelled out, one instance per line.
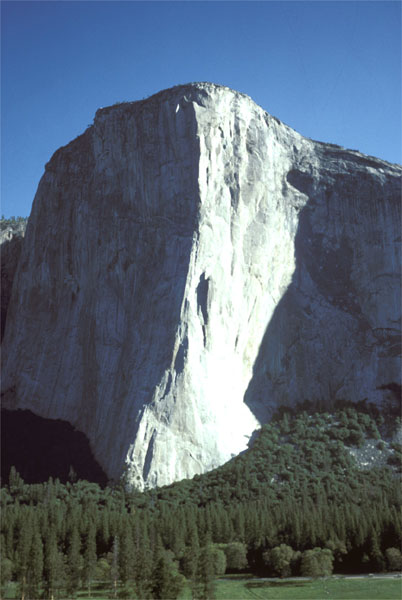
column 11, row 237
column 190, row 264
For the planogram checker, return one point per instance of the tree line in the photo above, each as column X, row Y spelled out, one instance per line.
column 295, row 503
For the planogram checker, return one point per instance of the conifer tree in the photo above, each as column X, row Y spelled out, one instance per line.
column 204, row 585
column 114, row 570
column 143, row 559
column 166, row 581
column 35, row 566
column 126, row 554
column 50, row 560
column 189, row 561
column 105, row 527
column 90, row 556
column 23, row 551
column 74, row 562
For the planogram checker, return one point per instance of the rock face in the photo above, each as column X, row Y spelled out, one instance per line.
column 190, row 264
column 11, row 239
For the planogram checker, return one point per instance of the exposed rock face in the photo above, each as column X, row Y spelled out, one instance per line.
column 191, row 263
column 11, row 238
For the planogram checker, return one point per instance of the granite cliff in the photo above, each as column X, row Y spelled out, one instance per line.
column 12, row 233
column 191, row 263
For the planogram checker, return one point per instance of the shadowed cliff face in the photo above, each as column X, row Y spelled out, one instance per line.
column 190, row 263
column 335, row 334
column 11, row 239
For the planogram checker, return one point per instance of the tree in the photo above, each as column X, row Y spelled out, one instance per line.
column 189, row 561
column 280, row 559
column 126, row 554
column 102, row 572
column 54, row 566
column 143, row 558
column 338, row 549
column 74, row 562
column 6, row 571
column 35, row 566
column 394, row 559
column 16, row 483
column 204, row 585
column 219, row 559
column 377, row 562
column 167, row 582
column 90, row 557
column 236, row 556
column 317, row 562
column 23, row 552
column 114, row 568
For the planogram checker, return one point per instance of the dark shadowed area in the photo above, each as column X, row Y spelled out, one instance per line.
column 10, row 253
column 324, row 321
column 41, row 448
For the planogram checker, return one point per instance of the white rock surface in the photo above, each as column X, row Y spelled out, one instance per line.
column 191, row 263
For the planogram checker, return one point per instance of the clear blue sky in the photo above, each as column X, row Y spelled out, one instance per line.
column 330, row 70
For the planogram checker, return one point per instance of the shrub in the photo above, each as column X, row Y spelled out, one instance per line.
column 317, row 562
column 280, row 559
column 219, row 560
column 236, row 556
column 394, row 559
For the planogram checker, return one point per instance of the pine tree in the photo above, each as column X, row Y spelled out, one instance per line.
column 126, row 555
column 114, row 571
column 105, row 528
column 143, row 558
column 166, row 581
column 51, row 563
column 189, row 561
column 23, row 551
column 239, row 523
column 35, row 565
column 90, row 556
column 204, row 585
column 74, row 562
column 15, row 482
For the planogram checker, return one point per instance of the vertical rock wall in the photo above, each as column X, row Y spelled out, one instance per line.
column 11, row 239
column 190, row 263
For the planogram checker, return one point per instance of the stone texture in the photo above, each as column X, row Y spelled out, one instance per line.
column 11, row 239
column 190, row 264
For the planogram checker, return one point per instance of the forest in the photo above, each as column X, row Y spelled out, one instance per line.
column 316, row 493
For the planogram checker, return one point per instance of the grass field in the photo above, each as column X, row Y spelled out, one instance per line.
column 345, row 589
column 254, row 589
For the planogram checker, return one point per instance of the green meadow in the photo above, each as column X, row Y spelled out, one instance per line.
column 331, row 589
column 235, row 588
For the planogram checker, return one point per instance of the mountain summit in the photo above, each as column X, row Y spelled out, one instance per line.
column 190, row 264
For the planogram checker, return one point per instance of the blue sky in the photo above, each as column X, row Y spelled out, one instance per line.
column 330, row 70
